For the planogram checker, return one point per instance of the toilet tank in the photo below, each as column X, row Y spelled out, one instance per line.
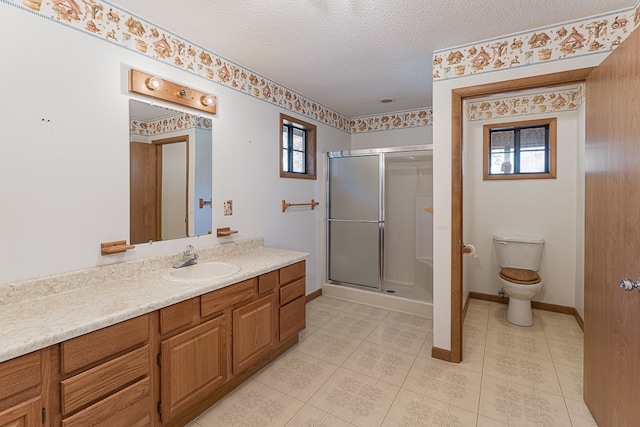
column 518, row 252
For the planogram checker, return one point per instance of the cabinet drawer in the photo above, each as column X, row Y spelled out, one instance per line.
column 87, row 349
column 99, row 382
column 268, row 282
column 292, row 272
column 216, row 301
column 20, row 374
column 130, row 407
column 292, row 291
column 292, row 318
column 176, row 316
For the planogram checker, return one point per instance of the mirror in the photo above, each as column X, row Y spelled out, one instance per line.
column 170, row 173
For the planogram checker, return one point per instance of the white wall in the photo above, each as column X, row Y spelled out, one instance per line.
column 525, row 207
column 66, row 178
column 392, row 138
column 442, row 171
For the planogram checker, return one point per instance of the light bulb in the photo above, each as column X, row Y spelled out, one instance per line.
column 154, row 83
column 208, row 100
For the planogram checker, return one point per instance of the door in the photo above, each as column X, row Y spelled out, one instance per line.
column 612, row 238
column 354, row 220
column 143, row 193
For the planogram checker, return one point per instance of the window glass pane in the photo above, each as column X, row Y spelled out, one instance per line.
column 298, row 162
column 298, row 139
column 501, row 157
column 285, row 137
column 285, row 160
column 501, row 162
column 532, row 138
column 532, row 161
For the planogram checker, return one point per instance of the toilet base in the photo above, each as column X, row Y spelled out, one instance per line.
column 519, row 312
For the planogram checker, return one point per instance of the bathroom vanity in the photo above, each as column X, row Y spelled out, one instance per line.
column 155, row 352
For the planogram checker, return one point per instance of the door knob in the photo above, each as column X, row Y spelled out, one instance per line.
column 627, row 285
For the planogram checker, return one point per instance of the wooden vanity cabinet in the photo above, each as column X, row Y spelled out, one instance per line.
column 193, row 362
column 22, row 396
column 292, row 300
column 105, row 377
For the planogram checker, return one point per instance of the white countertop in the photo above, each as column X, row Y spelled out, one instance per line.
column 29, row 324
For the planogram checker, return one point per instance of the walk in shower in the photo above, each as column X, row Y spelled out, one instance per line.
column 379, row 220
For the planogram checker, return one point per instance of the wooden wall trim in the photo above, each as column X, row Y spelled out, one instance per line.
column 442, row 354
column 534, row 304
column 313, row 295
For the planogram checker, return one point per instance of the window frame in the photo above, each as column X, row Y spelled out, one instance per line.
column 551, row 122
column 310, row 147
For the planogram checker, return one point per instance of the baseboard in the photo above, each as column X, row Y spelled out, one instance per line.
column 488, row 297
column 534, row 304
column 466, row 306
column 553, row 307
column 579, row 320
column 440, row 353
column 313, row 295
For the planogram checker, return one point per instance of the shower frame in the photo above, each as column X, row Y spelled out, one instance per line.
column 381, row 153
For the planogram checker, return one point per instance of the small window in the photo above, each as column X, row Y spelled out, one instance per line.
column 297, row 148
column 522, row 150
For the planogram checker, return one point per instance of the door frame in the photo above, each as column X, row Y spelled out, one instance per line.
column 159, row 144
column 457, row 117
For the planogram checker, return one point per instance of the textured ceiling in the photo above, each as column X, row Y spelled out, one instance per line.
column 349, row 54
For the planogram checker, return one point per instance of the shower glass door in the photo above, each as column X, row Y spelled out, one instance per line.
column 355, row 221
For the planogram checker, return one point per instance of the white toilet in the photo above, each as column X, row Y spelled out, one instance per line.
column 519, row 260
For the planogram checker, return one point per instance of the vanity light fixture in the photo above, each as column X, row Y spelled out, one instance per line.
column 155, row 87
column 154, row 83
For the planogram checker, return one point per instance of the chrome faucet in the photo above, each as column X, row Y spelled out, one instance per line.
column 189, row 257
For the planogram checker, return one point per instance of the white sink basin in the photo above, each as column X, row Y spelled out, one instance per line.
column 201, row 272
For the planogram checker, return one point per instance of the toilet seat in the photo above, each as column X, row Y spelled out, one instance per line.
column 520, row 276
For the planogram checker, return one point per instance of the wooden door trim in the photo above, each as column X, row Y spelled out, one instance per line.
column 457, row 97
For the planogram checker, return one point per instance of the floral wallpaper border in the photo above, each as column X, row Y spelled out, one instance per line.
column 170, row 124
column 113, row 24
column 587, row 36
column 532, row 103
column 388, row 121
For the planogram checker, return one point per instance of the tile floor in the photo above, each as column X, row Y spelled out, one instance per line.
column 359, row 365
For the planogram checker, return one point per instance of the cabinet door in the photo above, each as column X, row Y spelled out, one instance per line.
column 193, row 366
column 254, row 332
column 25, row 414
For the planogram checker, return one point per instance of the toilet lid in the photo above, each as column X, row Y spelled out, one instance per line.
column 520, row 276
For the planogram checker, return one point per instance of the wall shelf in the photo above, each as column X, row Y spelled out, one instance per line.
column 225, row 231
column 118, row 246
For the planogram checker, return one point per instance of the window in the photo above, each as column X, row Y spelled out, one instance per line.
column 297, row 149
column 522, row 150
